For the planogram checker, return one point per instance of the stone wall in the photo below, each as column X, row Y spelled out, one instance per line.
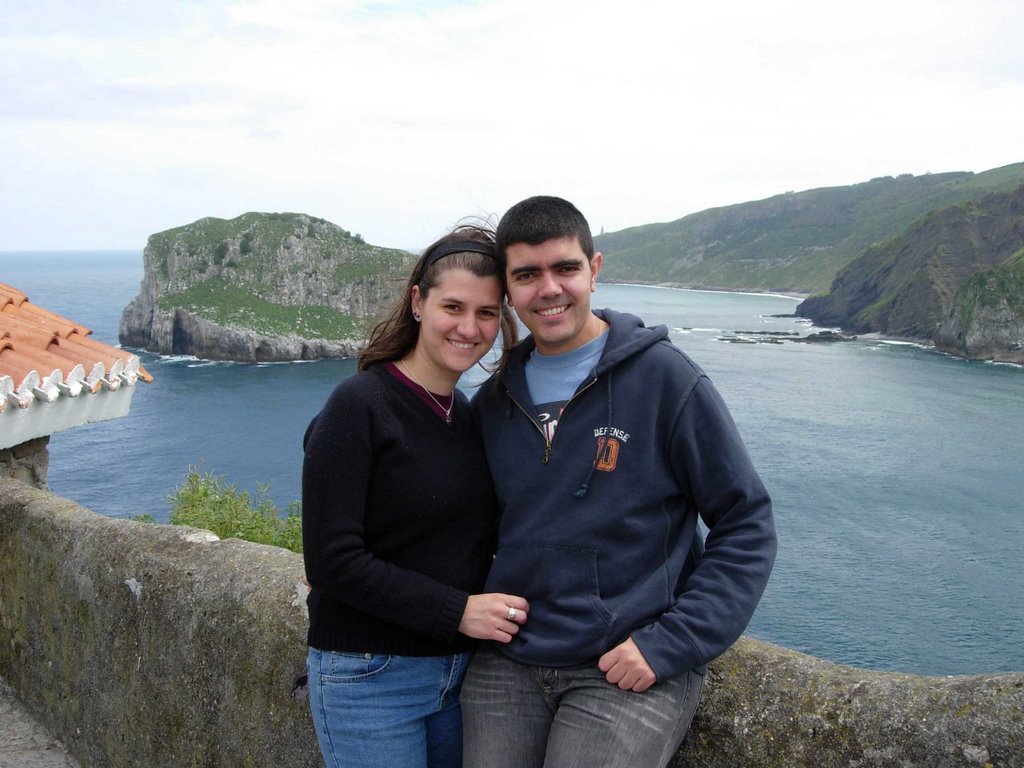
column 27, row 461
column 147, row 645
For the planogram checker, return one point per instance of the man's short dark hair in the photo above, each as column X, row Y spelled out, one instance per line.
column 539, row 219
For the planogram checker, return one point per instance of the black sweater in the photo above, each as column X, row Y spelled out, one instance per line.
column 398, row 517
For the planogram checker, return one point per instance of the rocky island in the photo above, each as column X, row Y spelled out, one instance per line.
column 261, row 287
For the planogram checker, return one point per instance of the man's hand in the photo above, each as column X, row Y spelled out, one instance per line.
column 627, row 668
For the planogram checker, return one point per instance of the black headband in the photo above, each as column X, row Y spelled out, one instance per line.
column 454, row 246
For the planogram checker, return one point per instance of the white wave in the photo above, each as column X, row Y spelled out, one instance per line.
column 177, row 358
column 901, row 343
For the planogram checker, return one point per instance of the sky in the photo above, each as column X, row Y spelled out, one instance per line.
column 398, row 120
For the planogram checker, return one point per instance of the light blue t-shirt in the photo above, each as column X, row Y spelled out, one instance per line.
column 552, row 379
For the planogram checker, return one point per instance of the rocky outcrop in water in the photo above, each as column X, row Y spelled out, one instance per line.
column 986, row 321
column 955, row 278
column 261, row 287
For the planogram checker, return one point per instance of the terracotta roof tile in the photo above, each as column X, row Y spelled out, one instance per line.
column 49, row 360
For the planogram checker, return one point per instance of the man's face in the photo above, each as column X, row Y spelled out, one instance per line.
column 549, row 285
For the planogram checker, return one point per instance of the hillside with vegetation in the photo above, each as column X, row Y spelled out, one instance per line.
column 955, row 278
column 986, row 321
column 794, row 242
column 261, row 287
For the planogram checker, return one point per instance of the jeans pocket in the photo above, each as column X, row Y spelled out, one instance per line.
column 345, row 667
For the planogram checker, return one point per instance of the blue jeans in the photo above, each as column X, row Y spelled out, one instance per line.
column 520, row 716
column 387, row 711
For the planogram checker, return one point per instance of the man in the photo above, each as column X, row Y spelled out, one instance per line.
column 606, row 444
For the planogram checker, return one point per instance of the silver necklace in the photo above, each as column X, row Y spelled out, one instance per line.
column 446, row 411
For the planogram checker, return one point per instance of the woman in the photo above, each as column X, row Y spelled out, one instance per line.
column 398, row 522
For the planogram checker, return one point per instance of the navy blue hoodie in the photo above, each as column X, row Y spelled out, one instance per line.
column 599, row 525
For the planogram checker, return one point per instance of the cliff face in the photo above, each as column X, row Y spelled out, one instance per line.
column 797, row 241
column 261, row 287
column 986, row 321
column 953, row 278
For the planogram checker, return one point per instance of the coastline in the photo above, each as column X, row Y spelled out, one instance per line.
column 877, row 336
column 926, row 344
column 705, row 289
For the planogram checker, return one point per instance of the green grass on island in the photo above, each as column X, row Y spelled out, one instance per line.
column 226, row 305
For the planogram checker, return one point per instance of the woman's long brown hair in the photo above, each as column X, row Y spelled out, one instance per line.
column 392, row 338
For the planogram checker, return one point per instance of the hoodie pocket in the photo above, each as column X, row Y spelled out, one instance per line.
column 568, row 622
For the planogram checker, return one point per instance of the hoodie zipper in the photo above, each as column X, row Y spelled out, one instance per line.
column 533, row 419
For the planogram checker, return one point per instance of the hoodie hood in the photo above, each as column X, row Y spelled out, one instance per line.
column 627, row 337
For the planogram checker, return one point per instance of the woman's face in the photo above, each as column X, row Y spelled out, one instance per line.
column 459, row 321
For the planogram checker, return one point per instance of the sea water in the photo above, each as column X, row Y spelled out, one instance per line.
column 895, row 471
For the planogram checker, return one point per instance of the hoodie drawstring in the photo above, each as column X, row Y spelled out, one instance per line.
column 582, row 491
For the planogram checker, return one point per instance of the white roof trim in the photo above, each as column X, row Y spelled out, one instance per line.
column 26, row 418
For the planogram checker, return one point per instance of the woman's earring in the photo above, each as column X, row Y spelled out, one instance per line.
column 416, row 316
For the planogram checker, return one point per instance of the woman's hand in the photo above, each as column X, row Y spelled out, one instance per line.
column 493, row 616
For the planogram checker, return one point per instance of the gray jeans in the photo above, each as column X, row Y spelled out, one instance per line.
column 520, row 716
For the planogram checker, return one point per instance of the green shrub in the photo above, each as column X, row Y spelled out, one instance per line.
column 220, row 252
column 208, row 501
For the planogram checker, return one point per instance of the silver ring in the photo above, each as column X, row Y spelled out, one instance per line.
column 512, row 614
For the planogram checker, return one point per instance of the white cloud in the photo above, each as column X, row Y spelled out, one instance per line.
column 395, row 123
